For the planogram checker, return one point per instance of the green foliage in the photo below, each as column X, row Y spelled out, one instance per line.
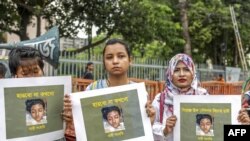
column 152, row 27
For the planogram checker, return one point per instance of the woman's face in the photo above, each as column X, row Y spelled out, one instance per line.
column 37, row 112
column 182, row 76
column 205, row 125
column 116, row 59
column 114, row 119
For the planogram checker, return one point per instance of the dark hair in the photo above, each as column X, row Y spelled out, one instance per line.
column 17, row 54
column 3, row 69
column 88, row 64
column 114, row 41
column 199, row 117
column 30, row 102
column 220, row 75
column 107, row 110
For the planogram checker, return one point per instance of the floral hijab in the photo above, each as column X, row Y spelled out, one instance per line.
column 170, row 71
column 171, row 89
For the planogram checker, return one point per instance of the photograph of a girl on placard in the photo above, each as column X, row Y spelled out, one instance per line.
column 204, row 125
column 35, row 112
column 112, row 119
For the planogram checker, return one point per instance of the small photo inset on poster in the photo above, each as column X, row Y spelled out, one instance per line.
column 112, row 117
column 36, row 110
column 204, row 125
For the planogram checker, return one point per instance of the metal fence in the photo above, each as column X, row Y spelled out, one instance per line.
column 74, row 65
column 150, row 69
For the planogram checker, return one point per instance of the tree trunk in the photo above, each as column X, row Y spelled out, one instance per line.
column 89, row 31
column 215, row 61
column 235, row 61
column 25, row 21
column 184, row 21
column 23, row 29
column 38, row 26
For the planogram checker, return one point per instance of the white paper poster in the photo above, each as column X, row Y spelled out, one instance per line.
column 202, row 117
column 31, row 108
column 115, row 113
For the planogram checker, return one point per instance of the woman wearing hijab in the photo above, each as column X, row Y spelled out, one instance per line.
column 181, row 79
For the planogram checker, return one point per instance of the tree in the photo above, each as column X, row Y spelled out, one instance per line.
column 212, row 32
column 140, row 22
column 184, row 21
column 17, row 15
column 152, row 27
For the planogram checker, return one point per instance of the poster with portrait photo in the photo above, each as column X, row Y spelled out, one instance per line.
column 31, row 108
column 115, row 113
column 202, row 117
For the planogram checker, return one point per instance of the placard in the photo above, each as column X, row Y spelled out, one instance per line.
column 115, row 113
column 202, row 117
column 31, row 108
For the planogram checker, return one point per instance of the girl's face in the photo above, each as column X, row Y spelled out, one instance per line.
column 182, row 76
column 205, row 125
column 114, row 119
column 116, row 59
column 37, row 112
